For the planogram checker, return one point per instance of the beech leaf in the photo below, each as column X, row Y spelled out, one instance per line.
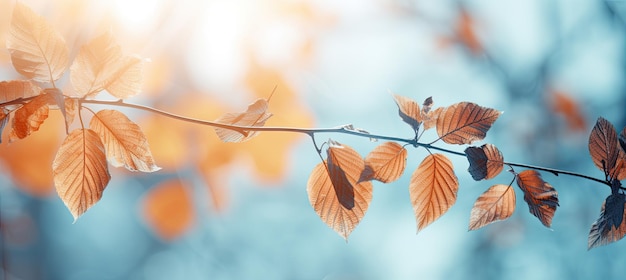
column 603, row 146
column 495, row 204
column 385, row 163
column 610, row 227
column 485, row 162
column 409, row 111
column 126, row 145
column 433, row 189
column 345, row 166
column 465, row 122
column 4, row 119
column 541, row 197
column 80, row 171
column 324, row 200
column 16, row 89
column 255, row 115
column 168, row 209
column 28, row 118
column 38, row 51
column 430, row 118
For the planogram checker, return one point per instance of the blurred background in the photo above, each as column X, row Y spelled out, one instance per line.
column 240, row 211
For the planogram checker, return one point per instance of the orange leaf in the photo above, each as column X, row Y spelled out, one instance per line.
column 495, row 204
column 345, row 166
column 541, row 197
column 29, row 117
column 126, row 145
column 16, row 89
column 4, row 119
column 255, row 115
column 603, row 146
column 433, row 189
column 409, row 111
column 323, row 197
column 467, row 34
column 566, row 106
column 465, row 122
column 485, row 162
column 37, row 51
column 71, row 108
column 80, row 171
column 168, row 209
column 385, row 163
column 610, row 227
column 430, row 118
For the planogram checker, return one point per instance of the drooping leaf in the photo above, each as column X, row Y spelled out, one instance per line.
column 38, row 51
column 495, row 204
column 4, row 119
column 385, row 163
column 610, row 227
column 603, row 145
column 345, row 166
column 323, row 197
column 80, row 171
column 564, row 105
column 465, row 122
column 433, row 189
column 16, row 89
column 29, row 117
column 255, row 115
column 125, row 143
column 168, row 209
column 541, row 197
column 409, row 111
column 485, row 162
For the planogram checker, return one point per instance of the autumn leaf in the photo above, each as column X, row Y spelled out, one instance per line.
column 168, row 209
column 409, row 111
column 29, row 117
column 345, row 166
column 465, row 28
column 385, row 163
column 610, row 227
column 430, row 118
column 433, row 189
column 71, row 108
column 541, row 197
column 16, row 89
column 4, row 119
column 38, row 51
column 603, row 146
column 622, row 139
column 325, row 202
column 495, row 204
column 465, row 122
column 80, row 171
column 566, row 106
column 125, row 143
column 485, row 162
column 255, row 115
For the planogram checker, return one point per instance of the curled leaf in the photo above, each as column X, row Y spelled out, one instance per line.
column 541, row 197
column 485, row 162
column 385, row 163
column 38, row 51
column 80, row 171
column 125, row 143
column 255, row 115
column 16, row 89
column 495, row 204
column 610, row 227
column 465, row 122
column 29, row 117
column 603, row 146
column 168, row 209
column 409, row 111
column 433, row 189
column 430, row 118
column 4, row 119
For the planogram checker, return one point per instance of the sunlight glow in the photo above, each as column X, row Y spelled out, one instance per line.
column 137, row 15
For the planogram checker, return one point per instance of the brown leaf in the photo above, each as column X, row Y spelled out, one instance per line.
column 345, row 166
column 16, row 89
column 603, row 146
column 563, row 104
column 610, row 227
column 465, row 122
column 80, row 171
column 430, row 118
column 29, row 117
column 323, row 197
column 168, row 209
column 125, row 143
column 466, row 33
column 385, row 163
column 541, row 197
column 619, row 172
column 38, row 52
column 485, row 162
column 495, row 204
column 4, row 119
column 255, row 115
column 433, row 189
column 409, row 111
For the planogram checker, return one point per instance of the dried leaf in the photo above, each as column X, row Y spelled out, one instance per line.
column 255, row 115
column 80, row 171
column 325, row 202
column 495, row 204
column 563, row 104
column 385, row 163
column 16, row 89
column 128, row 78
column 465, row 122
column 433, row 189
column 541, row 197
column 71, row 108
column 38, row 51
column 603, row 146
column 430, row 118
column 345, row 166
column 610, row 227
column 4, row 119
column 485, row 162
column 168, row 209
column 29, row 117
column 409, row 111
column 125, row 143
